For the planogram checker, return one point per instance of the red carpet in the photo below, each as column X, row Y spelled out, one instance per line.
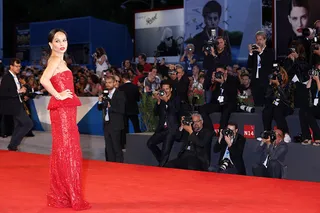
column 122, row 188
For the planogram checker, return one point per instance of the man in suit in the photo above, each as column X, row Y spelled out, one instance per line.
column 273, row 152
column 132, row 94
column 260, row 63
column 230, row 145
column 11, row 104
column 167, row 108
column 224, row 90
column 112, row 103
column 182, row 87
column 196, row 147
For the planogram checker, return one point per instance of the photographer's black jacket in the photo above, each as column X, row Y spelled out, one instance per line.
column 230, row 91
column 285, row 94
column 200, row 144
column 210, row 63
column 168, row 112
column 267, row 58
column 116, row 111
column 236, row 152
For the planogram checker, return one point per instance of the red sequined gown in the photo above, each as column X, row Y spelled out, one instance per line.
column 66, row 157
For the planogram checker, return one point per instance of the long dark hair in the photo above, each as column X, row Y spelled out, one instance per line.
column 51, row 36
column 298, row 3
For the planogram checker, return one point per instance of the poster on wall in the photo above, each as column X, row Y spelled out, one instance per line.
column 22, row 41
column 292, row 17
column 160, row 34
column 236, row 21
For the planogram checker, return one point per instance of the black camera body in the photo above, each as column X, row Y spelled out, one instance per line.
column 105, row 96
column 162, row 93
column 314, row 72
column 276, row 73
column 218, row 75
column 254, row 47
column 187, row 121
column 267, row 134
column 224, row 164
column 227, row 132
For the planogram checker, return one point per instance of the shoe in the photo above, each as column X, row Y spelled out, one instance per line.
column 287, row 138
column 317, row 143
column 12, row 149
column 306, row 142
column 30, row 135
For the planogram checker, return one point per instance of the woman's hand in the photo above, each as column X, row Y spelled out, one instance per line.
column 65, row 94
column 316, row 78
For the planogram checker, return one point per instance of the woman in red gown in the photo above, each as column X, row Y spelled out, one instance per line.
column 66, row 157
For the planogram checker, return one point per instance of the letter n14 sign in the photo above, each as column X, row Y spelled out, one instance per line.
column 249, row 131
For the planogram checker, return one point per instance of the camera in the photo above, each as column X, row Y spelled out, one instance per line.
column 267, row 134
column 314, row 72
column 254, row 47
column 187, row 121
column 246, row 108
column 218, row 75
column 291, row 50
column 94, row 55
column 162, row 93
column 276, row 73
column 224, row 164
column 227, row 132
column 105, row 96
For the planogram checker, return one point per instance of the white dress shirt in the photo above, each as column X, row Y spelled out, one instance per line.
column 107, row 118
column 16, row 80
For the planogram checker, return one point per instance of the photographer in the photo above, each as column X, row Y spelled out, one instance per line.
column 279, row 102
column 224, row 90
column 260, row 66
column 167, row 108
column 308, row 116
column 112, row 103
column 195, row 151
column 213, row 55
column 189, row 58
column 245, row 99
column 297, row 68
column 101, row 60
column 273, row 151
column 230, row 145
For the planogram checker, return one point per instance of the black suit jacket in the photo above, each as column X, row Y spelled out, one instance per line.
column 132, row 98
column 168, row 114
column 116, row 111
column 9, row 97
column 182, row 88
column 267, row 58
column 200, row 144
column 236, row 151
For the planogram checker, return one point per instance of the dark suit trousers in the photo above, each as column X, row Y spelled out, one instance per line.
column 225, row 110
column 273, row 170
column 136, row 126
column 258, row 92
column 278, row 113
column 6, row 126
column 22, row 125
column 167, row 139
column 112, row 139
column 308, row 119
column 188, row 160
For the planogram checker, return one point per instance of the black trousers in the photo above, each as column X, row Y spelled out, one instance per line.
column 209, row 108
column 135, row 122
column 187, row 160
column 258, row 92
column 277, row 113
column 167, row 139
column 6, row 125
column 112, row 139
column 22, row 125
column 273, row 170
column 308, row 119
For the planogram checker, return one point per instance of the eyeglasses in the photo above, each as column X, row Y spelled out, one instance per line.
column 169, row 38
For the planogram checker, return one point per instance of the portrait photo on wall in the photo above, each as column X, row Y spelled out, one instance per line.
column 292, row 19
column 232, row 20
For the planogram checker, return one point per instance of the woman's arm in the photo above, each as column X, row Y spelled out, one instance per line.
column 103, row 59
column 47, row 75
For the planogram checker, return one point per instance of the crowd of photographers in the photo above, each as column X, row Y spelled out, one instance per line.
column 186, row 94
